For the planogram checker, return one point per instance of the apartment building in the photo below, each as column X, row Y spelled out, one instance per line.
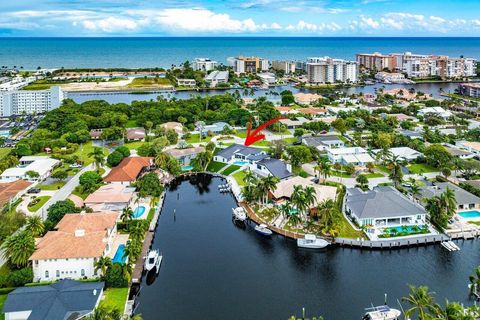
column 248, row 64
column 376, row 61
column 288, row 67
column 328, row 70
column 28, row 102
column 204, row 64
column 469, row 89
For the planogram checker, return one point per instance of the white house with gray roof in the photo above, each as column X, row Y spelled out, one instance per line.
column 381, row 207
column 465, row 200
column 324, row 142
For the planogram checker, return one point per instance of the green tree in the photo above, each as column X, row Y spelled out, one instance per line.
column 18, row 248
column 89, row 181
column 421, row 301
column 98, row 157
column 57, row 210
column 102, row 265
column 32, row 174
column 35, row 225
column 340, row 125
column 437, row 156
column 115, row 277
column 362, row 180
column 60, row 175
column 299, row 155
column 114, row 159
column 149, row 185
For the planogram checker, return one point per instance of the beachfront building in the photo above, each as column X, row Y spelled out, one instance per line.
column 66, row 299
column 215, row 78
column 30, row 101
column 376, row 61
column 72, row 249
column 42, row 165
column 351, row 155
column 469, row 89
column 382, row 207
column 288, row 67
column 328, row 70
column 465, row 200
column 470, row 146
column 323, row 142
column 438, row 111
column 248, row 64
column 15, row 83
column 129, row 170
column 403, row 153
column 185, row 156
column 204, row 64
column 110, row 197
column 267, row 78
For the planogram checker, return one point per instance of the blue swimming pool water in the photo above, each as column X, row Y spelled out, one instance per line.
column 119, row 254
column 470, row 214
column 401, row 229
column 186, row 168
column 240, row 163
column 138, row 212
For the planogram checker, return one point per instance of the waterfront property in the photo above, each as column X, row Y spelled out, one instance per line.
column 351, row 155
column 42, row 165
column 328, row 70
column 185, row 156
column 324, row 142
column 215, row 78
column 240, row 153
column 469, row 89
column 382, row 207
column 272, row 167
column 129, row 170
column 110, row 197
column 30, row 102
column 303, row 98
column 66, row 299
column 465, row 200
column 71, row 250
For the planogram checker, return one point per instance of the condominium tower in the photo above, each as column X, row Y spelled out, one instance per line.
column 328, row 70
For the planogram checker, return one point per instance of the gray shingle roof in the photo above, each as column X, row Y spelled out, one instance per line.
column 229, row 151
column 58, row 301
column 462, row 196
column 276, row 167
column 321, row 140
column 382, row 202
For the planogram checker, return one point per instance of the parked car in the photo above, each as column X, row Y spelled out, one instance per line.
column 34, row 190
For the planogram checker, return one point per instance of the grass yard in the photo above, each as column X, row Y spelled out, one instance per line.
column 418, row 168
column 43, row 84
column 195, row 138
column 51, row 187
column 290, row 140
column 340, row 174
column 115, row 298
column 82, row 153
column 228, row 170
column 77, row 193
column 4, row 152
column 239, row 176
column 134, row 144
column 382, row 168
column 149, row 82
column 345, row 229
column 3, row 297
column 215, row 166
column 38, row 205
column 374, row 175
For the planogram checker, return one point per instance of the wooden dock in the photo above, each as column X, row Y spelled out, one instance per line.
column 392, row 243
column 138, row 270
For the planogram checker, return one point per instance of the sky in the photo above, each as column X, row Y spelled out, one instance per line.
column 59, row 18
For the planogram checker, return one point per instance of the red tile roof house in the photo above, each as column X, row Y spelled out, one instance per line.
column 95, row 134
column 135, row 134
column 129, row 170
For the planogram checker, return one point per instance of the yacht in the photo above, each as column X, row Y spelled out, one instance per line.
column 263, row 229
column 154, row 259
column 382, row 313
column 239, row 214
column 311, row 241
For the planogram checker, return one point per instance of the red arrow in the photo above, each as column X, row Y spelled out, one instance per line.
column 254, row 136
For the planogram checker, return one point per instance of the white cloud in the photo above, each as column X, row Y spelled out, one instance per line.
column 110, row 24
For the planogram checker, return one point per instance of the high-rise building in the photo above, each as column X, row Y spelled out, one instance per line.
column 376, row 61
column 30, row 101
column 288, row 67
column 328, row 70
column 248, row 64
column 204, row 64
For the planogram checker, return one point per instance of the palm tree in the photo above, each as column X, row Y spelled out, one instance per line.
column 35, row 225
column 202, row 160
column 137, row 232
column 103, row 264
column 131, row 250
column 327, row 212
column 286, row 208
column 249, row 177
column 475, row 281
column 102, row 313
column 324, row 167
column 448, row 201
column 310, row 196
column 421, row 301
column 98, row 157
column 161, row 160
column 396, row 174
column 270, row 183
column 18, row 248
column 127, row 215
column 298, row 198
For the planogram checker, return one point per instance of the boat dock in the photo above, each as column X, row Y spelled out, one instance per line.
column 450, row 246
column 392, row 243
column 138, row 270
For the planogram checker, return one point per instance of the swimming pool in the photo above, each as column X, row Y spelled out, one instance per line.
column 118, row 257
column 473, row 214
column 138, row 212
column 240, row 163
column 186, row 168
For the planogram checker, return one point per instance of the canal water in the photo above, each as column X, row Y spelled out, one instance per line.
column 213, row 269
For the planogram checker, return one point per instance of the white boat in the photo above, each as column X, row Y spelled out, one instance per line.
column 239, row 214
column 310, row 241
column 382, row 313
column 153, row 259
column 263, row 229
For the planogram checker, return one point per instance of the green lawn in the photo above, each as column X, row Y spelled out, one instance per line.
column 149, row 82
column 134, row 144
column 3, row 297
column 230, row 169
column 40, row 204
column 239, row 176
column 54, row 186
column 4, row 152
column 43, row 84
column 345, row 229
column 382, row 168
column 79, row 194
column 418, row 168
column 290, row 140
column 374, row 175
column 340, row 174
column 82, row 152
column 195, row 138
column 115, row 298
column 215, row 166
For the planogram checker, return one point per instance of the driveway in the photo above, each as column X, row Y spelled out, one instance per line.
column 23, row 206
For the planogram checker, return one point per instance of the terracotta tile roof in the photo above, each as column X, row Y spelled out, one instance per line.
column 135, row 133
column 111, row 193
column 65, row 243
column 128, row 169
column 313, row 111
column 11, row 189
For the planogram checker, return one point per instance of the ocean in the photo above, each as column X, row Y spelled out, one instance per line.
column 31, row 53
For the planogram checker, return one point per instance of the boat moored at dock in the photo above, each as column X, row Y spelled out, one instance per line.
column 382, row 313
column 310, row 241
column 239, row 214
column 263, row 230
column 153, row 260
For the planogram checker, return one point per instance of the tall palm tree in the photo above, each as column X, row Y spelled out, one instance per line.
column 448, row 201
column 475, row 281
column 328, row 212
column 324, row 167
column 286, row 208
column 421, row 301
column 103, row 264
column 395, row 166
column 161, row 160
column 137, row 232
column 249, row 177
column 298, row 198
column 310, row 196
column 127, row 215
column 202, row 160
column 35, row 225
column 98, row 157
column 18, row 248
column 270, row 184
column 102, row 313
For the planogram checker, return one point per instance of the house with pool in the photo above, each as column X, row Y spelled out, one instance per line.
column 185, row 156
column 71, row 250
column 384, row 207
column 110, row 197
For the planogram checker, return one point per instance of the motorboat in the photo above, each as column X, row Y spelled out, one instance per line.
column 263, row 229
column 239, row 213
column 153, row 259
column 311, row 241
column 382, row 313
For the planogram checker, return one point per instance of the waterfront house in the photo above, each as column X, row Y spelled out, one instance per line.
column 403, row 153
column 12, row 191
column 285, row 190
column 176, row 126
column 135, row 134
column 323, row 142
column 465, row 200
column 190, row 83
column 72, row 249
column 129, row 170
column 382, row 206
column 215, row 78
column 66, row 299
column 272, row 167
column 43, row 165
column 306, row 98
column 185, row 156
column 110, row 197
column 351, row 155
column 240, row 154
column 285, row 111
column 470, row 146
